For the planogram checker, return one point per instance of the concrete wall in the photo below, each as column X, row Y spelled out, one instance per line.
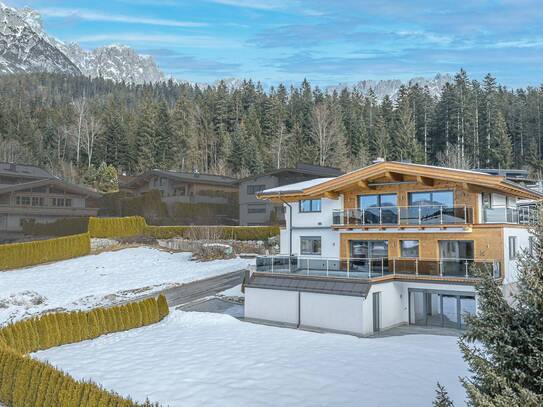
column 523, row 243
column 271, row 305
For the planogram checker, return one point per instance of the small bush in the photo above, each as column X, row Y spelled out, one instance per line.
column 15, row 255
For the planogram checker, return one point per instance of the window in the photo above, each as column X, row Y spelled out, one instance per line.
column 253, row 189
column 310, row 205
column 310, row 245
column 363, row 249
column 512, row 247
column 431, row 198
column 487, row 200
column 179, row 191
column 256, row 208
column 376, row 201
column 37, row 201
column 68, row 202
column 25, row 200
column 409, row 248
column 511, row 202
column 456, row 249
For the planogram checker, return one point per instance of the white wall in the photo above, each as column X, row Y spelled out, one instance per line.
column 271, row 305
column 310, row 219
column 333, row 312
column 391, row 307
column 523, row 243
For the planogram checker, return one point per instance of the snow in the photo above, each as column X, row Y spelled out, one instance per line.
column 296, row 187
column 232, row 292
column 193, row 359
column 102, row 279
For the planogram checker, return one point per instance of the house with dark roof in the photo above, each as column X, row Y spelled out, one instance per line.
column 29, row 193
column 255, row 212
column 186, row 193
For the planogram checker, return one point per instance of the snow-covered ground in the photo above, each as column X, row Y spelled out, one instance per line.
column 102, row 279
column 193, row 359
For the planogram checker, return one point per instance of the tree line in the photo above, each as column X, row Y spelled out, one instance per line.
column 72, row 125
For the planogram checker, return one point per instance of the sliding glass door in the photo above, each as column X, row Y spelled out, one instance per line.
column 439, row 309
column 369, row 255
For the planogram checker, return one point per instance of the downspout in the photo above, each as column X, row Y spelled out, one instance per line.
column 289, row 226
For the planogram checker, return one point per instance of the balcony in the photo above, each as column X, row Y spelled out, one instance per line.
column 371, row 268
column 520, row 216
column 404, row 216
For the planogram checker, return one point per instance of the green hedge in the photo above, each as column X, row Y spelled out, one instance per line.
column 117, row 227
column 16, row 255
column 60, row 227
column 28, row 382
column 225, row 232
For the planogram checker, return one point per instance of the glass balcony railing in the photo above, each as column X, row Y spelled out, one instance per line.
column 368, row 268
column 522, row 215
column 404, row 215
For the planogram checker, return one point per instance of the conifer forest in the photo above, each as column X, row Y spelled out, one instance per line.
column 72, row 125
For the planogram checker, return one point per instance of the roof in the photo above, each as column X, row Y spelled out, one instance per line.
column 23, row 170
column 77, row 189
column 301, row 168
column 352, row 288
column 193, row 177
column 396, row 170
column 296, row 187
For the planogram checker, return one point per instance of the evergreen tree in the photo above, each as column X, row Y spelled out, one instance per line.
column 145, row 137
column 406, row 146
column 442, row 398
column 500, row 155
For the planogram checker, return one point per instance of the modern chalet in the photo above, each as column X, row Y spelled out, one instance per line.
column 30, row 194
column 389, row 244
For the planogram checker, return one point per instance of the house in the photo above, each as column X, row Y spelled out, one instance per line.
column 389, row 244
column 184, row 191
column 29, row 193
column 255, row 212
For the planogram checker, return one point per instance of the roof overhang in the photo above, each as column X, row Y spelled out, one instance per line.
column 367, row 178
column 76, row 189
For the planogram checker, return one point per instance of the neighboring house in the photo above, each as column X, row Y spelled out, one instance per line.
column 389, row 244
column 255, row 212
column 29, row 193
column 216, row 191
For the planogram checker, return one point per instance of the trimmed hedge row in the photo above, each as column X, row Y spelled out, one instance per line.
column 16, row 255
column 60, row 227
column 117, row 227
column 225, row 232
column 28, row 382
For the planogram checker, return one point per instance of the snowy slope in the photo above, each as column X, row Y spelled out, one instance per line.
column 26, row 47
column 101, row 279
column 195, row 359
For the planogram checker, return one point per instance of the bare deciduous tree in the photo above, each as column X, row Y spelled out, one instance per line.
column 326, row 131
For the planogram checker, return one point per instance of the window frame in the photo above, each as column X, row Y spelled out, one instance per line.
column 431, row 192
column 314, row 238
column 513, row 247
column 310, row 206
column 253, row 189
column 379, row 200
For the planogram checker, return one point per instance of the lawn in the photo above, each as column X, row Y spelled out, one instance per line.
column 102, row 279
column 194, row 359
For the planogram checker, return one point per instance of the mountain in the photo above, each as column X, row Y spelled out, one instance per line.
column 23, row 48
column 26, row 47
column 391, row 87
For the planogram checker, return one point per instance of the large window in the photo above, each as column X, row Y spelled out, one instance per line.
column 431, row 198
column 376, row 201
column 456, row 249
column 310, row 205
column 253, row 189
column 310, row 245
column 409, row 248
column 362, row 249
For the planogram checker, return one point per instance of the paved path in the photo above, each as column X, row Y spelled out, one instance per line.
column 203, row 288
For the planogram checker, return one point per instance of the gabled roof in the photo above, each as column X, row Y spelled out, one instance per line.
column 192, row 177
column 302, row 169
column 76, row 189
column 396, row 170
column 23, row 170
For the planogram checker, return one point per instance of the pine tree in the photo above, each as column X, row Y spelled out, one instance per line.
column 500, row 155
column 406, row 146
column 145, row 137
column 442, row 397
column 503, row 345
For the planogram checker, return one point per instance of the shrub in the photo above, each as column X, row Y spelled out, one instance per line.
column 117, row 227
column 28, row 382
column 60, row 227
column 213, row 232
column 15, row 255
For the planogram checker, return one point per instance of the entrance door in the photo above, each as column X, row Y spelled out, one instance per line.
column 376, row 312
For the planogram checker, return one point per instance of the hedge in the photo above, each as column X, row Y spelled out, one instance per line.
column 225, row 232
column 60, row 227
column 27, row 382
column 16, row 255
column 117, row 227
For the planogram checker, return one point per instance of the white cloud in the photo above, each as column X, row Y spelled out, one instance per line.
column 98, row 16
column 181, row 40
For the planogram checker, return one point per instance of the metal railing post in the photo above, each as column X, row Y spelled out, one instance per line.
column 272, row 258
column 394, row 266
column 369, row 269
column 416, row 267
column 441, row 214
column 380, row 216
column 466, row 266
column 363, row 217
column 327, row 267
column 307, row 260
column 465, row 214
column 382, row 266
column 420, row 216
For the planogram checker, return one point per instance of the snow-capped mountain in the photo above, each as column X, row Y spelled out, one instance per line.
column 26, row 47
column 391, row 87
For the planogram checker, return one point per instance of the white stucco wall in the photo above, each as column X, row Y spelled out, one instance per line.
column 523, row 243
column 271, row 305
column 333, row 312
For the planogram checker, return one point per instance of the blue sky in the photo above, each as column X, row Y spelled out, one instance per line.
column 325, row 41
